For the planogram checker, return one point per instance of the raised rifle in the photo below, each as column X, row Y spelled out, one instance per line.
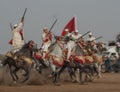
column 98, row 38
column 52, row 25
column 22, row 19
column 11, row 27
column 83, row 35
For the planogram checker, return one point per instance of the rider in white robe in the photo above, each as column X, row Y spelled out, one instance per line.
column 91, row 37
column 70, row 44
column 17, row 37
column 47, row 40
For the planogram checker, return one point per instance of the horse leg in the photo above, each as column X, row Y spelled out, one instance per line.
column 42, row 62
column 99, row 70
column 59, row 71
column 27, row 74
column 88, row 73
column 72, row 74
column 38, row 68
column 53, row 68
column 55, row 77
column 95, row 68
column 14, row 72
column 77, row 71
column 66, row 64
column 81, row 70
column 11, row 73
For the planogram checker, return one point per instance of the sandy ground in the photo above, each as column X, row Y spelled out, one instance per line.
column 110, row 82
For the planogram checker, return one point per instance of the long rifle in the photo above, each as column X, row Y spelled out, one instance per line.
column 52, row 25
column 22, row 19
column 11, row 27
column 98, row 38
column 83, row 35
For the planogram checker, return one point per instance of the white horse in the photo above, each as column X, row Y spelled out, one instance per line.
column 57, row 59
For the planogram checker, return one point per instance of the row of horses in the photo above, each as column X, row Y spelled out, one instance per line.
column 55, row 59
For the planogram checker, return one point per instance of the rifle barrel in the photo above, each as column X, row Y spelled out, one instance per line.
column 24, row 12
column 86, row 33
column 53, row 25
column 11, row 27
column 98, row 37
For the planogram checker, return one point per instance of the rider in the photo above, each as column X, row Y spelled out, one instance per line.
column 17, row 36
column 71, row 43
column 91, row 43
column 91, row 37
column 47, row 40
column 75, row 35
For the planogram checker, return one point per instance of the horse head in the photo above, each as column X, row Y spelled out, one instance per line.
column 31, row 45
column 28, row 49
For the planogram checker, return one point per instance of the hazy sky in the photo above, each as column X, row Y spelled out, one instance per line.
column 102, row 17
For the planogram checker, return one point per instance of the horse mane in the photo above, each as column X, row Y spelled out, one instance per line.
column 55, row 49
column 52, row 46
column 26, row 45
column 25, row 50
column 78, row 50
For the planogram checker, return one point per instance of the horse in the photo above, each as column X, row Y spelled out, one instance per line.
column 101, row 47
column 79, row 61
column 93, row 66
column 59, row 62
column 85, row 63
column 57, row 59
column 20, row 60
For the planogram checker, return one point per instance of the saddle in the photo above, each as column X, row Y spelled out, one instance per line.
column 26, row 59
column 19, row 58
column 89, row 59
column 97, row 59
column 11, row 55
column 57, row 61
column 38, row 55
column 80, row 59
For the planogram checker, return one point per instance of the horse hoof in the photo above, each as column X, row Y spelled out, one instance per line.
column 99, row 76
column 40, row 72
column 15, row 82
column 57, row 84
column 74, row 81
column 82, row 83
column 50, row 76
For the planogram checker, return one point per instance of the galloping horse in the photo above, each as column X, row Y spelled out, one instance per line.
column 21, row 60
column 57, row 59
column 79, row 61
column 85, row 63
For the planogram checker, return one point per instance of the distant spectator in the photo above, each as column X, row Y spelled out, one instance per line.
column 107, row 64
column 118, row 47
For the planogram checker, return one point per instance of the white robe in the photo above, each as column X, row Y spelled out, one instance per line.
column 91, row 39
column 18, row 42
column 70, row 45
column 45, row 44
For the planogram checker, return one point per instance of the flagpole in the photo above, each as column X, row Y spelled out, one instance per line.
column 75, row 22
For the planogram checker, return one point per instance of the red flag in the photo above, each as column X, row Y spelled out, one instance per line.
column 70, row 26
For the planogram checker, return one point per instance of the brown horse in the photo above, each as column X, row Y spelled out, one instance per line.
column 20, row 60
